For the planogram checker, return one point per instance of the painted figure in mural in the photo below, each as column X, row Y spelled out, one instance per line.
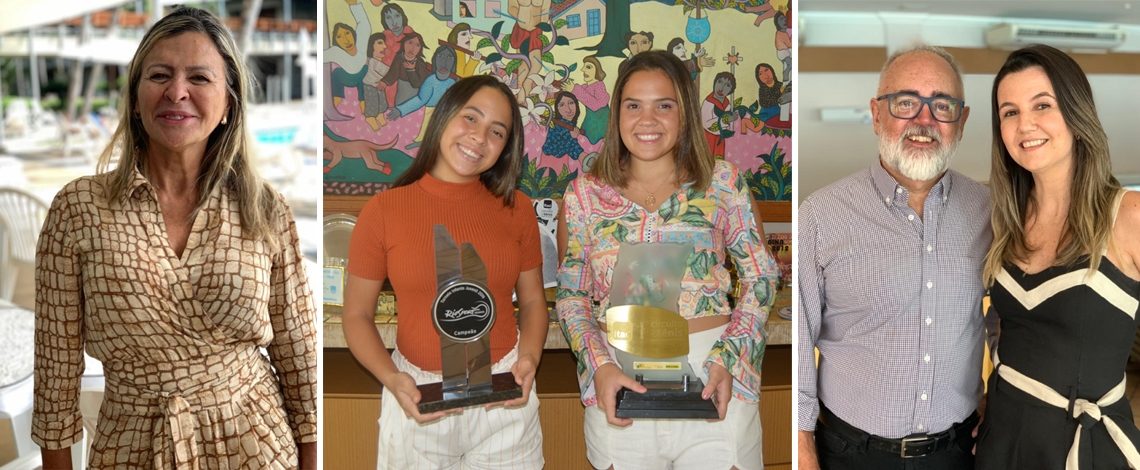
column 562, row 138
column 657, row 181
column 637, row 42
column 395, row 23
column 181, row 270
column 770, row 91
column 464, row 10
column 396, row 29
column 889, row 276
column 768, row 9
column 717, row 114
column 375, row 103
column 1064, row 276
column 346, row 53
column 528, row 14
column 593, row 94
column 463, row 178
column 768, row 100
column 409, row 71
column 783, row 42
column 698, row 61
column 466, row 57
column 430, row 91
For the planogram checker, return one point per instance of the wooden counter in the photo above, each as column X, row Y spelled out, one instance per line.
column 352, row 408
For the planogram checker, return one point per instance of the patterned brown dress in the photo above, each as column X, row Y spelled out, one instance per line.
column 187, row 384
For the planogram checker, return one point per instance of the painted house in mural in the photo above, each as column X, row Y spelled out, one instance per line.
column 480, row 14
column 584, row 18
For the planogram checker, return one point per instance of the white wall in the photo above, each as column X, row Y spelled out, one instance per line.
column 829, row 151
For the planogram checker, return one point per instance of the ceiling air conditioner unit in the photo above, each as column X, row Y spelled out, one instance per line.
column 1072, row 38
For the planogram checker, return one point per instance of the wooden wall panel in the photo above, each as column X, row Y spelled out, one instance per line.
column 355, row 449
column 776, row 420
column 352, row 407
column 563, row 443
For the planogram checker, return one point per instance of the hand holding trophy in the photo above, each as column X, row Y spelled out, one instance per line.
column 650, row 339
column 463, row 313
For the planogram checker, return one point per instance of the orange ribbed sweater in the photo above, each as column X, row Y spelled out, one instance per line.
column 393, row 239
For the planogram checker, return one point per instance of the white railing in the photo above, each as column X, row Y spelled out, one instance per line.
column 50, row 42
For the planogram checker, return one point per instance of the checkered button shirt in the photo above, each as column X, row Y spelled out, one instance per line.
column 892, row 301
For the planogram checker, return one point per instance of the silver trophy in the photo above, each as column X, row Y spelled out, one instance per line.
column 463, row 313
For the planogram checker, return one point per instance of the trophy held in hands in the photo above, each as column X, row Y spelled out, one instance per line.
column 463, row 313
column 649, row 337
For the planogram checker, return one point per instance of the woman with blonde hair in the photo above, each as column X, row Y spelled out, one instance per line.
column 175, row 268
column 1064, row 272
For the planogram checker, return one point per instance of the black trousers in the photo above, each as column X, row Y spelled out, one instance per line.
column 841, row 446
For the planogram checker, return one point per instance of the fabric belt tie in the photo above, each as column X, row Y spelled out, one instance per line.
column 178, row 431
column 1086, row 413
column 175, row 436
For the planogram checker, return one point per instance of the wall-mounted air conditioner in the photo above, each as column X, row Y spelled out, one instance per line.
column 1079, row 38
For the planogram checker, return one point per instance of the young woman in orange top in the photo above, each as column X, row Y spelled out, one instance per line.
column 464, row 179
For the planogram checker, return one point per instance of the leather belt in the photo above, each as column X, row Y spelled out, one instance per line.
column 915, row 445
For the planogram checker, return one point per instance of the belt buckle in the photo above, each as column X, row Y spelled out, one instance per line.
column 911, row 440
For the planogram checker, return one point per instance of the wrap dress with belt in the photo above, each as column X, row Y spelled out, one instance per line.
column 1056, row 397
column 209, row 357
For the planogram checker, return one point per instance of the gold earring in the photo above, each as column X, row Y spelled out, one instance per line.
column 225, row 120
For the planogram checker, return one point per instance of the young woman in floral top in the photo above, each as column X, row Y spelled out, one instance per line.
column 659, row 183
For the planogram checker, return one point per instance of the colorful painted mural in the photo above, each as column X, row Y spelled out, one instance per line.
column 387, row 64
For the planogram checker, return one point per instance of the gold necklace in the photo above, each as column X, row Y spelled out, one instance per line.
column 651, row 198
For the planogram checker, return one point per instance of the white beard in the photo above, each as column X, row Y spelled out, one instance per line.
column 918, row 165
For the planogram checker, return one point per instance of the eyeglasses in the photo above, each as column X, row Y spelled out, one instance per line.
column 907, row 105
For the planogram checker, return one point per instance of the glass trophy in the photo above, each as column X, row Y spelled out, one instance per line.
column 649, row 337
column 463, row 313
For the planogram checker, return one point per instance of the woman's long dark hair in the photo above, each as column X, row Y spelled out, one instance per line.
column 502, row 178
column 1088, row 224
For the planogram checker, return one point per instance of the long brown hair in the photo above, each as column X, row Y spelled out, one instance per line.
column 228, row 149
column 1088, row 224
column 692, row 157
column 502, row 178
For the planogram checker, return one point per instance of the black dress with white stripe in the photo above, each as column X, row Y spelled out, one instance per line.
column 1073, row 333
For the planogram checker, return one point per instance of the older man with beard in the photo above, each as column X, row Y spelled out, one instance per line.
column 889, row 277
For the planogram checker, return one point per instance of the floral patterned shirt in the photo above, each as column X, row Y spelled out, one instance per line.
column 718, row 221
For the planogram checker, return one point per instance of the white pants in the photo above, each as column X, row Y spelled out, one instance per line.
column 500, row 438
column 658, row 444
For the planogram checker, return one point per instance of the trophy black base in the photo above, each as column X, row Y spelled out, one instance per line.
column 664, row 402
column 502, row 388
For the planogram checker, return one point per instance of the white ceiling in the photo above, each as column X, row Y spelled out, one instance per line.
column 1106, row 11
column 827, row 151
